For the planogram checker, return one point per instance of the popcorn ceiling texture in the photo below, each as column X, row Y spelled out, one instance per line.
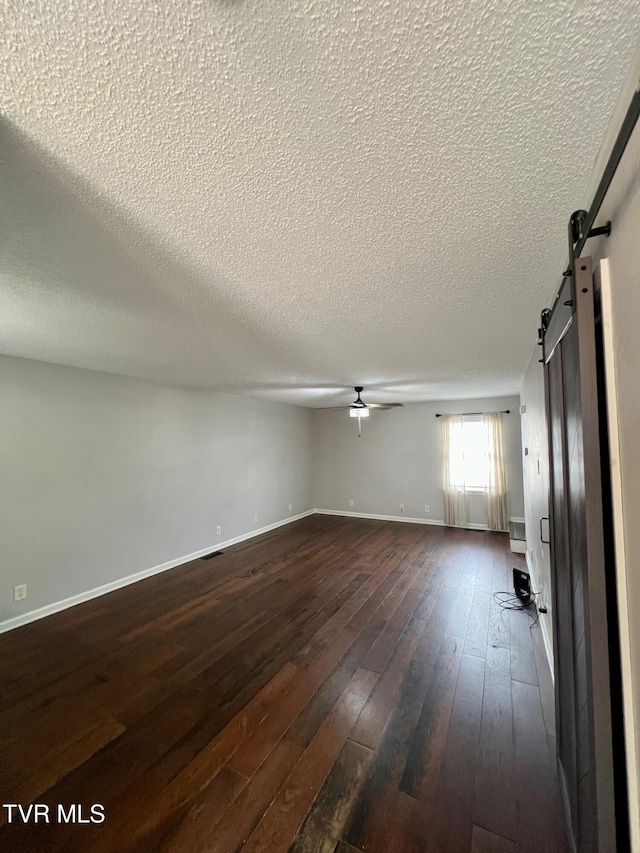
column 277, row 197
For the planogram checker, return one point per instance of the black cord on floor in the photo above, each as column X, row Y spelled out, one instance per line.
column 509, row 603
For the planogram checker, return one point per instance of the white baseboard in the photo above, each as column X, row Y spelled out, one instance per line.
column 436, row 521
column 544, row 621
column 49, row 609
column 57, row 606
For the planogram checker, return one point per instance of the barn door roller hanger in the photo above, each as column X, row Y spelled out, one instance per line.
column 581, row 223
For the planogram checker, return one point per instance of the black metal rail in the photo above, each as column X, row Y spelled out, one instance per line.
column 619, row 146
column 581, row 221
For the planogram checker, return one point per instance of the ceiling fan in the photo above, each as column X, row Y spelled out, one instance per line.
column 359, row 409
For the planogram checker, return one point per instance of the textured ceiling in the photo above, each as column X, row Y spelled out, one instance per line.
column 284, row 198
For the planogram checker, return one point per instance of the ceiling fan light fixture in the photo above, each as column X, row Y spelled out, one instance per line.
column 359, row 412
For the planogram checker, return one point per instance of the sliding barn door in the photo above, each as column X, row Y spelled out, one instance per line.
column 585, row 628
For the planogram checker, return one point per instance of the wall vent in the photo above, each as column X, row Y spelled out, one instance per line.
column 517, row 535
column 516, row 529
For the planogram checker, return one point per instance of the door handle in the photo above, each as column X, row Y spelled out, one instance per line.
column 542, row 539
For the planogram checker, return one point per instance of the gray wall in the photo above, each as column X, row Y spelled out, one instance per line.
column 105, row 476
column 398, row 460
column 536, row 489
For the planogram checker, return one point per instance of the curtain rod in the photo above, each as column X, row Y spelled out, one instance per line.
column 464, row 414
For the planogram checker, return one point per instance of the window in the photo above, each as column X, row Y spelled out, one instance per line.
column 469, row 455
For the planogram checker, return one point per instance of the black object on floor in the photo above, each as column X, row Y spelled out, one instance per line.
column 522, row 585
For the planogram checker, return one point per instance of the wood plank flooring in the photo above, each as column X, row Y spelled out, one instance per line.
column 335, row 685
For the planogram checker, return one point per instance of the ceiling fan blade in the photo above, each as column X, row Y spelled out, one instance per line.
column 385, row 405
column 380, row 406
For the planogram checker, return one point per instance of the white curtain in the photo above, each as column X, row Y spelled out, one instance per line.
column 473, row 463
column 496, row 484
column 453, row 479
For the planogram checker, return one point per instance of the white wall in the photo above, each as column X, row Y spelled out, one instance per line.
column 622, row 360
column 536, row 490
column 105, row 476
column 622, row 249
column 398, row 460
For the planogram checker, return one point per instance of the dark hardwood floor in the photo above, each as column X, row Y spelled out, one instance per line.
column 335, row 685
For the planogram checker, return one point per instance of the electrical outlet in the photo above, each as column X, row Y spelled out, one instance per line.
column 290, row 507
column 401, row 507
column 426, row 507
column 20, row 592
column 255, row 518
column 350, row 501
column 218, row 530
